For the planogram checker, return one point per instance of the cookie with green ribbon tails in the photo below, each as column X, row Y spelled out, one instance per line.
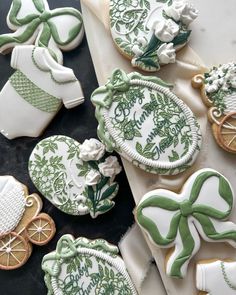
column 34, row 23
column 81, row 266
column 178, row 221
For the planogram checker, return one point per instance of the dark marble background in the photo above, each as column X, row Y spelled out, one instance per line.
column 78, row 123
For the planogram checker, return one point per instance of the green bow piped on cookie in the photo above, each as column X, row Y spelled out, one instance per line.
column 61, row 28
column 178, row 221
column 83, row 266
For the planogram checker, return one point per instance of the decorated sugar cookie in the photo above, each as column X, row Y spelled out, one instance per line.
column 34, row 23
column 218, row 90
column 34, row 94
column 150, row 32
column 21, row 223
column 178, row 221
column 216, row 277
column 140, row 118
column 83, row 266
column 77, row 178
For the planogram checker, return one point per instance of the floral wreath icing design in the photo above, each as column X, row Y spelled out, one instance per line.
column 21, row 223
column 83, row 266
column 77, row 178
column 129, row 105
column 179, row 220
column 218, row 90
column 150, row 31
column 34, row 23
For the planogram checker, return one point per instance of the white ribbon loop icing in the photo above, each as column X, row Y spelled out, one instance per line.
column 172, row 220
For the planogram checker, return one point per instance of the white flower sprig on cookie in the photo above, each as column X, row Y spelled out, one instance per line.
column 168, row 35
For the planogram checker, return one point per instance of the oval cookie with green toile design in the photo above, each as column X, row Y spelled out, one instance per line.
column 34, row 23
column 77, row 178
column 81, row 266
column 149, row 32
column 140, row 118
column 218, row 91
column 178, row 221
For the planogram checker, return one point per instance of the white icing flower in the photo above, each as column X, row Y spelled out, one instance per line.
column 210, row 88
column 110, row 168
column 137, row 51
column 182, row 11
column 189, row 14
column 165, row 30
column 91, row 150
column 166, row 53
column 92, row 178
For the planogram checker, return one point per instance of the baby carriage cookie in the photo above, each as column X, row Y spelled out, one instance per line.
column 34, row 94
column 82, row 266
column 150, row 32
column 141, row 119
column 177, row 221
column 218, row 91
column 34, row 23
column 77, row 178
column 216, row 277
column 21, row 223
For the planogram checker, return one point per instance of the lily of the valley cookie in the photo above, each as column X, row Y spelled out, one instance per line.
column 82, row 266
column 218, row 90
column 77, row 178
column 140, row 118
column 21, row 223
column 178, row 221
column 34, row 23
column 150, row 32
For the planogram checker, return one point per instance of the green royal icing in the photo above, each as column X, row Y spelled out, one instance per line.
column 74, row 272
column 34, row 95
column 184, row 210
column 30, row 24
column 170, row 125
column 60, row 175
column 129, row 22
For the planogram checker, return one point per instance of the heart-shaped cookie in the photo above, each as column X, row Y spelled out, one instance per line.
column 76, row 178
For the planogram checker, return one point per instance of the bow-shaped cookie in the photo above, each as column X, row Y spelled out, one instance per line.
column 34, row 22
column 172, row 220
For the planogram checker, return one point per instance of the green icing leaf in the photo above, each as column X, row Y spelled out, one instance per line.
column 181, row 38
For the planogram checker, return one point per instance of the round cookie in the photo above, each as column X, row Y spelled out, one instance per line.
column 150, row 32
column 82, row 266
column 76, row 178
column 218, row 91
column 141, row 119
column 21, row 223
column 34, row 23
column 177, row 221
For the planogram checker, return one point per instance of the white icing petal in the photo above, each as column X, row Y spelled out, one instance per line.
column 137, row 51
column 93, row 178
column 233, row 82
column 91, row 150
column 110, row 168
column 175, row 10
column 189, row 14
column 165, row 30
column 166, row 53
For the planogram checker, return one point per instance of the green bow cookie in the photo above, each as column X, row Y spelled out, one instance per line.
column 57, row 29
column 172, row 220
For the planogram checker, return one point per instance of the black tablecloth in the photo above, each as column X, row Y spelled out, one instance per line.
column 78, row 123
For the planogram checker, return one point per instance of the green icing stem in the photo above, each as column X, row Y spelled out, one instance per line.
column 179, row 223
